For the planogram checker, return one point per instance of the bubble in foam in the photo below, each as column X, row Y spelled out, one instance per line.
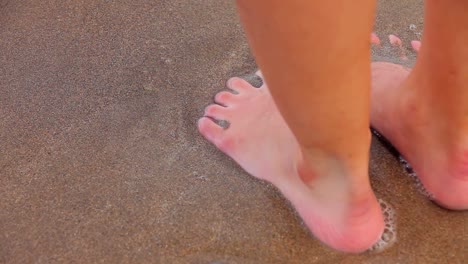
column 417, row 182
column 389, row 235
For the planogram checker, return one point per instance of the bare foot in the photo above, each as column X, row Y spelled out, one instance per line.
column 342, row 214
column 440, row 162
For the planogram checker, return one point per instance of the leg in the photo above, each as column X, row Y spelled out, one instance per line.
column 426, row 116
column 317, row 68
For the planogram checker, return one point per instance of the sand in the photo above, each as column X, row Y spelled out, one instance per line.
column 101, row 160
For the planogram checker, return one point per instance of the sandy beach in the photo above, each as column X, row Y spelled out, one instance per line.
column 101, row 160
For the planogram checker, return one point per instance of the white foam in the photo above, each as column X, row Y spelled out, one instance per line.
column 389, row 235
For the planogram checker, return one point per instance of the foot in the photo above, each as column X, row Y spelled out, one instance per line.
column 341, row 213
column 437, row 151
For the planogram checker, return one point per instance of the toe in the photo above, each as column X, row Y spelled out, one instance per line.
column 217, row 112
column 225, row 98
column 375, row 39
column 239, row 85
column 211, row 131
column 395, row 41
column 416, row 45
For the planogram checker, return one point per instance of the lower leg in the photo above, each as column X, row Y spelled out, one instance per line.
column 443, row 63
column 426, row 118
column 314, row 63
column 315, row 57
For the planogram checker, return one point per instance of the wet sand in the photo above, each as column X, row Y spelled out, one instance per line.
column 101, row 160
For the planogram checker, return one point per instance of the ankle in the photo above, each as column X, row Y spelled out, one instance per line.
column 319, row 167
